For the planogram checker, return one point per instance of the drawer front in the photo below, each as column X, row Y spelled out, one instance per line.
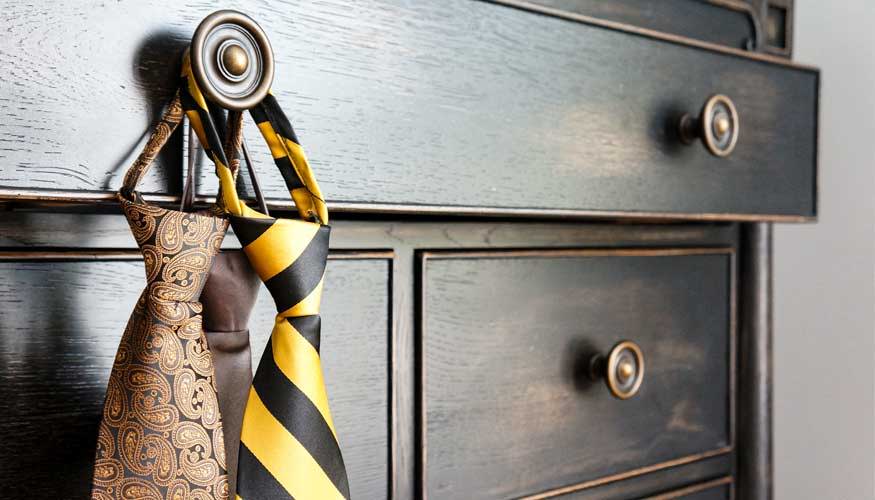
column 718, row 489
column 507, row 408
column 705, row 21
column 60, row 324
column 457, row 106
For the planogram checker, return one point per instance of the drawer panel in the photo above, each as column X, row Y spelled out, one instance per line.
column 457, row 106
column 718, row 489
column 686, row 479
column 688, row 18
column 507, row 409
column 60, row 324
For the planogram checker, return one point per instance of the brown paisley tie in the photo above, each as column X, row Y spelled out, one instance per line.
column 161, row 435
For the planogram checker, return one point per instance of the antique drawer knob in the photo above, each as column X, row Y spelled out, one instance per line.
column 622, row 369
column 232, row 60
column 717, row 126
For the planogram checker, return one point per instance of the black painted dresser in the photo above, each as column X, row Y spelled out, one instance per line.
column 517, row 187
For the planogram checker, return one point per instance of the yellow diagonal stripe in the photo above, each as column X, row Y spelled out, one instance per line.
column 233, row 203
column 308, row 306
column 273, row 140
column 299, row 362
column 246, row 211
column 308, row 198
column 229, row 191
column 279, row 246
column 193, row 89
column 195, row 118
column 305, row 173
column 282, row 455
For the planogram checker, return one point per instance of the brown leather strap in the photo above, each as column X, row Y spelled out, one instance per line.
column 233, row 137
column 256, row 186
column 194, row 154
column 171, row 119
column 160, row 134
column 234, row 142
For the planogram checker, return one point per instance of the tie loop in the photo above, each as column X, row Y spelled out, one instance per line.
column 180, row 107
column 284, row 146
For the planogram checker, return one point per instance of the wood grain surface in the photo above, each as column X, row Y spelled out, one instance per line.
column 31, row 231
column 718, row 489
column 507, row 408
column 60, row 324
column 655, row 483
column 696, row 19
column 416, row 104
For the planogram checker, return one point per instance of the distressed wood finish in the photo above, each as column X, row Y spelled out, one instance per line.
column 22, row 230
column 718, row 489
column 693, row 19
column 60, row 325
column 755, row 366
column 418, row 107
column 505, row 341
column 651, row 484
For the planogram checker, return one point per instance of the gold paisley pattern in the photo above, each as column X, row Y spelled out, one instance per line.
column 160, row 134
column 160, row 436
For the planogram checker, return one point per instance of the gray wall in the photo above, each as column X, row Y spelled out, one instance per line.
column 824, row 274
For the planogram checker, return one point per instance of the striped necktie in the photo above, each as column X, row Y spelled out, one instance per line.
column 288, row 444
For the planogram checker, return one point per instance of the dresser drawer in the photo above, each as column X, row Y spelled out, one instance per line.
column 457, row 106
column 508, row 407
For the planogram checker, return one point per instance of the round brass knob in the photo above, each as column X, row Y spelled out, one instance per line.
column 235, row 60
column 622, row 369
column 232, row 60
column 717, row 125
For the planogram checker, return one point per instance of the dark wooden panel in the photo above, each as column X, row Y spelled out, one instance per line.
column 718, row 489
column 60, row 323
column 29, row 230
column 505, row 337
column 419, row 105
column 690, row 18
column 651, row 483
column 716, row 493
column 755, row 424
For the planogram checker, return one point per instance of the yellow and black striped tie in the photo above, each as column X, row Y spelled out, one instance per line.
column 289, row 447
column 288, row 444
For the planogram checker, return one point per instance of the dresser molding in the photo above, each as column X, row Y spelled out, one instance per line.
column 16, row 198
column 775, row 58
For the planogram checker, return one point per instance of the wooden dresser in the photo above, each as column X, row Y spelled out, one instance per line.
column 518, row 186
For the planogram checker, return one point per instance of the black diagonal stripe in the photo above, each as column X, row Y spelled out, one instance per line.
column 301, row 418
column 284, row 164
column 294, row 283
column 278, row 119
column 254, row 482
column 309, row 327
column 188, row 102
column 258, row 114
column 248, row 229
column 214, row 144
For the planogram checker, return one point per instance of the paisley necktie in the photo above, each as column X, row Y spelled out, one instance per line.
column 161, row 435
column 289, row 446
